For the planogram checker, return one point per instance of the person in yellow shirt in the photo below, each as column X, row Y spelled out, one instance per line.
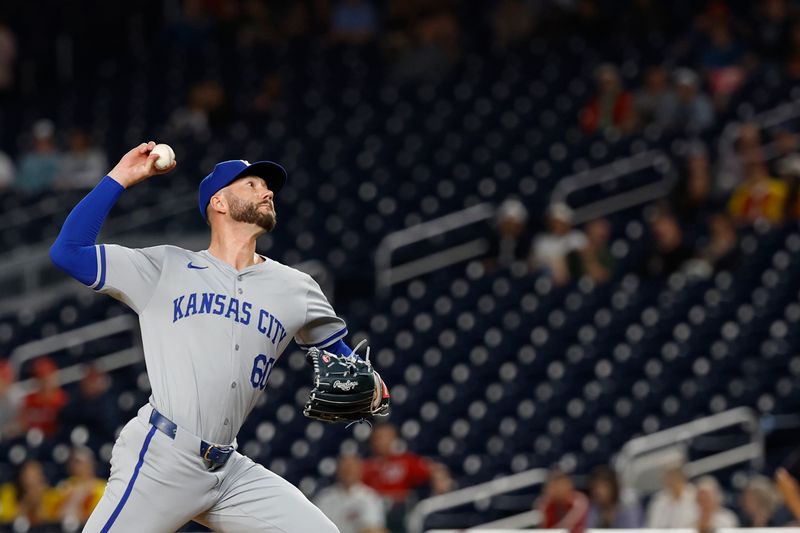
column 760, row 197
column 80, row 492
column 29, row 497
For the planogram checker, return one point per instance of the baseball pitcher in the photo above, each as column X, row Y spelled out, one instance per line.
column 213, row 324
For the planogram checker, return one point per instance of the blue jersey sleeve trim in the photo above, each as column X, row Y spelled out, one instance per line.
column 102, row 281
column 324, row 343
column 74, row 250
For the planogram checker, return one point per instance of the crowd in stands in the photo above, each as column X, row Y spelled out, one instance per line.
column 46, row 165
column 694, row 231
column 31, row 501
column 719, row 194
column 373, row 493
column 699, row 505
column 48, row 410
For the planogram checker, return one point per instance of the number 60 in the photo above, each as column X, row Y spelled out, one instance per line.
column 261, row 370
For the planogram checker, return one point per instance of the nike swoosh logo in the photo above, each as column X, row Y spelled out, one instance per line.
column 190, row 265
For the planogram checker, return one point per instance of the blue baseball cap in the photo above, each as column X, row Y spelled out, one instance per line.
column 228, row 171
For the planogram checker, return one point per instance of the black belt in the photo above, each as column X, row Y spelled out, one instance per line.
column 215, row 454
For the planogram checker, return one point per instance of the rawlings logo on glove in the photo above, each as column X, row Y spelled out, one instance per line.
column 346, row 388
column 344, row 385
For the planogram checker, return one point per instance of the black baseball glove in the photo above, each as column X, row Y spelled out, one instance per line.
column 346, row 388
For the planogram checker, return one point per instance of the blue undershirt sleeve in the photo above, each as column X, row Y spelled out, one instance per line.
column 339, row 348
column 74, row 250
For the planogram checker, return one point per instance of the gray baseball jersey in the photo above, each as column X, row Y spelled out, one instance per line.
column 211, row 335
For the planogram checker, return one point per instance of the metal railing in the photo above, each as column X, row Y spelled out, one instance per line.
column 387, row 275
column 635, row 454
column 646, row 454
column 517, row 522
column 75, row 337
column 656, row 159
column 25, row 266
column 415, row 522
column 76, row 372
column 766, row 119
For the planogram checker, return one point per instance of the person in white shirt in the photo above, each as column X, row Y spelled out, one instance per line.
column 709, row 503
column 351, row 505
column 550, row 250
column 675, row 506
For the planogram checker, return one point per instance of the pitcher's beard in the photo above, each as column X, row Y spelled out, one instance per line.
column 250, row 213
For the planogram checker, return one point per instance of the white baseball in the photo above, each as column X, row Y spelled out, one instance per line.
column 166, row 156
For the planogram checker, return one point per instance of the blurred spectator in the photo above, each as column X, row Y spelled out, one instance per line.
column 709, row 503
column 734, row 157
column 94, row 406
column 667, row 252
column 9, row 405
column 395, row 474
column 607, row 507
column 562, row 506
column 41, row 409
column 759, row 503
column 787, row 158
column 82, row 490
column 441, row 480
column 7, row 173
column 354, row 22
column 793, row 56
column 29, row 497
column 204, row 110
column 722, row 250
column 269, row 96
column 8, row 57
column 84, row 165
column 594, row 259
column 771, row 29
column 675, row 505
column 656, row 103
column 512, row 22
column 550, row 250
column 509, row 245
column 691, row 199
column 761, row 198
column 611, row 107
column 789, row 489
column 786, row 166
column 694, row 113
column 427, row 51
column 723, row 56
column 351, row 505
column 39, row 166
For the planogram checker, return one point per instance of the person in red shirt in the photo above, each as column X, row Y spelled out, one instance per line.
column 611, row 107
column 562, row 506
column 395, row 475
column 41, row 408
